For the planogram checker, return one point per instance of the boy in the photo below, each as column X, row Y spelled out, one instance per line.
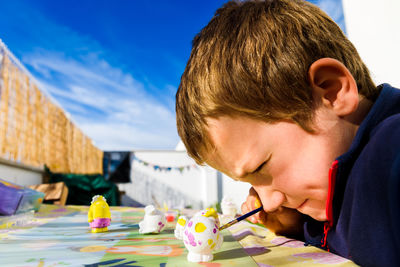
column 275, row 95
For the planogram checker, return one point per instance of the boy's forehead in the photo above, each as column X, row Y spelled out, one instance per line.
column 218, row 162
column 220, row 135
column 221, row 132
column 212, row 155
column 233, row 141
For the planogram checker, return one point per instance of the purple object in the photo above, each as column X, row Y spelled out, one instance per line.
column 17, row 199
column 9, row 199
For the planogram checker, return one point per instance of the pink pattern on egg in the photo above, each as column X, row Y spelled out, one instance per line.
column 160, row 226
column 190, row 224
column 191, row 240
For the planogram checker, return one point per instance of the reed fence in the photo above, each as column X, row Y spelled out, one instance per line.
column 37, row 132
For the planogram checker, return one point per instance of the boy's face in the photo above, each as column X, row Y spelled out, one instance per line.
column 286, row 165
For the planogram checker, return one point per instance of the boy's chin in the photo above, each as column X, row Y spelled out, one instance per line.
column 318, row 215
column 315, row 210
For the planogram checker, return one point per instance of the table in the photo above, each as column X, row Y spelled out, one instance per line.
column 60, row 236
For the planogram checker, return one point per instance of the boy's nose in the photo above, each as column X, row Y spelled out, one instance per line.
column 270, row 199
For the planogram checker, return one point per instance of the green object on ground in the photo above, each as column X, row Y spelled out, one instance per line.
column 82, row 187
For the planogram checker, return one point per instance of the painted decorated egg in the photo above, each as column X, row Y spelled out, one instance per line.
column 200, row 235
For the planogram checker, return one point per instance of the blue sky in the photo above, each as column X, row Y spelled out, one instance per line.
column 114, row 66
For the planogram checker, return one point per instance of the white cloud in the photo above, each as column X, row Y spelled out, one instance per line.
column 109, row 105
column 125, row 137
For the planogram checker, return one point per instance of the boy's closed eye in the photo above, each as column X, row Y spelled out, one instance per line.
column 259, row 168
column 248, row 175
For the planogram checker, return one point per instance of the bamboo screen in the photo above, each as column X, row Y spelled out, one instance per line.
column 36, row 132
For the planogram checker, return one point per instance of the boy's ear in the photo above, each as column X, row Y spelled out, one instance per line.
column 334, row 85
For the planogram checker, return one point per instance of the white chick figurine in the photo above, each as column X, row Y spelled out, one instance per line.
column 228, row 207
column 200, row 235
column 153, row 222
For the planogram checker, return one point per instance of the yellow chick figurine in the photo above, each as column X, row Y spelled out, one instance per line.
column 99, row 216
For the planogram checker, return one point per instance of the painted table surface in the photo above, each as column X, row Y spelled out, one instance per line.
column 60, row 236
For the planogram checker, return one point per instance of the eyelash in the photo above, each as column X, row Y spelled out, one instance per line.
column 259, row 167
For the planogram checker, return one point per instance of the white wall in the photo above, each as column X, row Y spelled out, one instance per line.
column 202, row 184
column 209, row 186
column 184, row 182
column 190, row 183
column 373, row 27
column 20, row 174
column 215, row 190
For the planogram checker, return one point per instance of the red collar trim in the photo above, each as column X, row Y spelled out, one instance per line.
column 332, row 179
column 329, row 213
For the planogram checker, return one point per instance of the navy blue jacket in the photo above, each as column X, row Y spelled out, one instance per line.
column 363, row 207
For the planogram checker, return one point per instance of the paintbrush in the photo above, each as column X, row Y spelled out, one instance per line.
column 238, row 219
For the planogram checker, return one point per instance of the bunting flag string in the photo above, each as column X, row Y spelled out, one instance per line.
column 157, row 167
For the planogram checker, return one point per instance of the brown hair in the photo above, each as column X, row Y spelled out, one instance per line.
column 252, row 59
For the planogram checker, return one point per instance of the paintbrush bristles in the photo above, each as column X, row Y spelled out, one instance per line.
column 228, row 224
column 240, row 218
